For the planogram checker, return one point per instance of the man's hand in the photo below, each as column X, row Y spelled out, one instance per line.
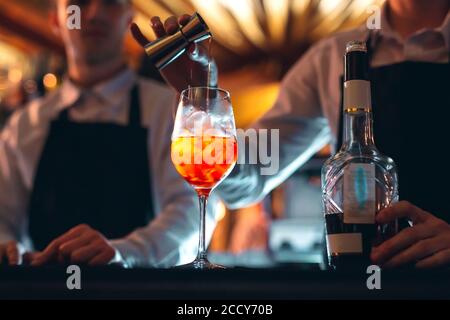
column 190, row 69
column 11, row 252
column 81, row 245
column 426, row 244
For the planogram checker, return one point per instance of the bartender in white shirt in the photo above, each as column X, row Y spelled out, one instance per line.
column 410, row 73
column 85, row 172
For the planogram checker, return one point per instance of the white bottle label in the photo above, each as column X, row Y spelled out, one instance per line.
column 357, row 94
column 359, row 193
column 344, row 243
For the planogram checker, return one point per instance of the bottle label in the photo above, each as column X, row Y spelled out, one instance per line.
column 359, row 193
column 357, row 95
column 344, row 243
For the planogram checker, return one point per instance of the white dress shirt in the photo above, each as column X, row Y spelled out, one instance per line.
column 308, row 106
column 172, row 237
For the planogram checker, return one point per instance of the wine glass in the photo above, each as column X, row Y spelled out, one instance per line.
column 204, row 149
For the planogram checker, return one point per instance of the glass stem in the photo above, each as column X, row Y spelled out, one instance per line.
column 203, row 199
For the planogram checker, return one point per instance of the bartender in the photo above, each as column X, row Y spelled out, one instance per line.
column 85, row 172
column 410, row 73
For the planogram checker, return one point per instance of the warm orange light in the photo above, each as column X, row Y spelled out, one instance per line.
column 15, row 75
column 221, row 211
column 50, row 81
column 252, row 102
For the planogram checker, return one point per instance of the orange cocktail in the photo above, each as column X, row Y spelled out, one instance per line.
column 204, row 161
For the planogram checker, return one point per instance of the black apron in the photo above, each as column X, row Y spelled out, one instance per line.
column 92, row 173
column 411, row 117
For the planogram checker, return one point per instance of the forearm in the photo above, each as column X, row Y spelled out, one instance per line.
column 298, row 142
column 13, row 197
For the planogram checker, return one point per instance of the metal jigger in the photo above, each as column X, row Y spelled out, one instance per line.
column 166, row 49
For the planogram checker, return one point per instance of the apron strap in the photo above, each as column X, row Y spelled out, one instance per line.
column 372, row 41
column 64, row 115
column 134, row 117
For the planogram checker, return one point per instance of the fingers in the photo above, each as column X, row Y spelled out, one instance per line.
column 402, row 209
column 70, row 246
column 103, row 258
column 86, row 253
column 43, row 258
column 417, row 251
column 184, row 19
column 52, row 249
column 28, row 257
column 158, row 27
column 399, row 242
column 440, row 259
column 81, row 244
column 13, row 254
column 171, row 25
column 138, row 35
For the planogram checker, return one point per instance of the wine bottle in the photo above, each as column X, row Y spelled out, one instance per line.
column 358, row 181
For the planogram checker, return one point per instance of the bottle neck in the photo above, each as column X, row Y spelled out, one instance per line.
column 358, row 127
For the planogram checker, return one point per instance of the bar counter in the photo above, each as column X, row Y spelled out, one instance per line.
column 280, row 283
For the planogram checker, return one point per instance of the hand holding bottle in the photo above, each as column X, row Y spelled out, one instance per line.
column 426, row 244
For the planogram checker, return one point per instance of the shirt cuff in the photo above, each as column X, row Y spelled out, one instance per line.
column 122, row 256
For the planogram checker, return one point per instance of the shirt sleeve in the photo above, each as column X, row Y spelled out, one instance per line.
column 13, row 193
column 172, row 237
column 297, row 129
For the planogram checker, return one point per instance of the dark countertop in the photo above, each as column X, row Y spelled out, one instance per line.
column 237, row 283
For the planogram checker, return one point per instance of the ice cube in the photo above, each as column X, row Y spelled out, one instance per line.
column 201, row 123
column 196, row 119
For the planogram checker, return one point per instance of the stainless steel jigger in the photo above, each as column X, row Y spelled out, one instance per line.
column 166, row 49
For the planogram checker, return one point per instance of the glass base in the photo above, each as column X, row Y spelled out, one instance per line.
column 200, row 264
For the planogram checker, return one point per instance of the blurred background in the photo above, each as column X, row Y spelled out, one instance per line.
column 255, row 43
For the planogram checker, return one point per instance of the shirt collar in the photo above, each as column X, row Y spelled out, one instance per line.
column 387, row 31
column 113, row 89
column 69, row 93
column 109, row 91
